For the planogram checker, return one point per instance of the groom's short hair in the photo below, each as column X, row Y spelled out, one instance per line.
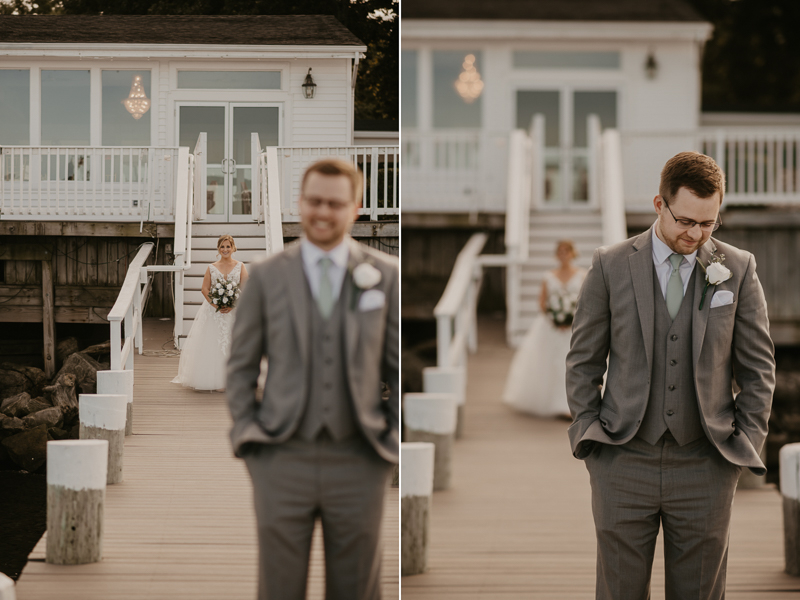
column 335, row 166
column 697, row 172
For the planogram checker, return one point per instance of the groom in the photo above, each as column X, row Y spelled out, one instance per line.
column 666, row 439
column 321, row 441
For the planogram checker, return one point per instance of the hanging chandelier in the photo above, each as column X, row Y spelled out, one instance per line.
column 137, row 102
column 469, row 85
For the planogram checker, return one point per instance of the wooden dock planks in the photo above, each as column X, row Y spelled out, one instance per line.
column 181, row 525
column 517, row 522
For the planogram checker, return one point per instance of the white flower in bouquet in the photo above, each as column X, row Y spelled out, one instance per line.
column 230, row 286
column 224, row 300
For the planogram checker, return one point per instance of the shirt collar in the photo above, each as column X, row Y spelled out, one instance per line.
column 662, row 252
column 312, row 254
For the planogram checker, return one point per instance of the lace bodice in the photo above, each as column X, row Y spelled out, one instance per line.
column 573, row 286
column 233, row 277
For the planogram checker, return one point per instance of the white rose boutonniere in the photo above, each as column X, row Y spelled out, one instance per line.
column 365, row 276
column 716, row 273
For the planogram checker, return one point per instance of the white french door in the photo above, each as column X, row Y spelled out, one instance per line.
column 566, row 146
column 228, row 126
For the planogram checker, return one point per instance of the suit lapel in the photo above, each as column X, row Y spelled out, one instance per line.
column 700, row 317
column 299, row 299
column 352, row 324
column 641, row 265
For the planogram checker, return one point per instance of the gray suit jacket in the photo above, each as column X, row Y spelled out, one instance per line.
column 272, row 321
column 613, row 331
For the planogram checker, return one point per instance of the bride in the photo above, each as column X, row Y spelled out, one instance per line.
column 536, row 379
column 205, row 352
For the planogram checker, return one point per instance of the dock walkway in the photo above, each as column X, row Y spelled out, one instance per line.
column 181, row 525
column 517, row 522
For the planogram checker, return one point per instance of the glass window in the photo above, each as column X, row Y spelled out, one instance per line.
column 121, row 127
column 15, row 107
column 453, row 107
column 65, row 108
column 602, row 104
column 545, row 103
column 229, row 80
column 566, row 60
column 408, row 87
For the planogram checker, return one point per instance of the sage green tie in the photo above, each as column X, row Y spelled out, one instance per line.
column 325, row 296
column 674, row 286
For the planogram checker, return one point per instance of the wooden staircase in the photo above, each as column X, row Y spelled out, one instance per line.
column 251, row 248
column 546, row 228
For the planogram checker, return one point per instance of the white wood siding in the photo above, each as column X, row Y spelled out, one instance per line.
column 326, row 119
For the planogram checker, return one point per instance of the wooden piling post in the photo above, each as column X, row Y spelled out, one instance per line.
column 448, row 380
column 118, row 382
column 790, row 490
column 416, row 478
column 48, row 319
column 102, row 417
column 76, row 491
column 432, row 418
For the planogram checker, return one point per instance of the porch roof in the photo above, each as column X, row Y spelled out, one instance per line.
column 258, row 30
column 552, row 10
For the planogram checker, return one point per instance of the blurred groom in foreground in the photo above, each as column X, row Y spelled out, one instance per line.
column 321, row 442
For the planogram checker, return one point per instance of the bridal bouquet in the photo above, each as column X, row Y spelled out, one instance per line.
column 561, row 308
column 223, row 294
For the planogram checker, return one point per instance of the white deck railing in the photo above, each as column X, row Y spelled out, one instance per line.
column 761, row 164
column 456, row 325
column 380, row 166
column 128, row 310
column 87, row 183
column 455, row 171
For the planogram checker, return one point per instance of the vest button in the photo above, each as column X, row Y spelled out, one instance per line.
column 674, row 337
column 670, row 413
column 673, row 362
column 671, row 388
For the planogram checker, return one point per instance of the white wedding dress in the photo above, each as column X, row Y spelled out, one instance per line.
column 205, row 352
column 536, row 379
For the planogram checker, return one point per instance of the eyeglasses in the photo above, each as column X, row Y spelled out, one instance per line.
column 334, row 205
column 688, row 223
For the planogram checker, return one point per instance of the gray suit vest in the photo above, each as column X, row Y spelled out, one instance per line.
column 329, row 404
column 673, row 399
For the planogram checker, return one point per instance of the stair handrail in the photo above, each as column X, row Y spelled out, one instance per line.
column 128, row 310
column 200, row 179
column 270, row 192
column 456, row 311
column 256, row 200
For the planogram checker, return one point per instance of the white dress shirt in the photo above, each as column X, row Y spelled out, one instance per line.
column 661, row 254
column 311, row 256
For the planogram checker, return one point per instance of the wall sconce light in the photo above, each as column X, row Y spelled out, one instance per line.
column 309, row 87
column 137, row 103
column 651, row 66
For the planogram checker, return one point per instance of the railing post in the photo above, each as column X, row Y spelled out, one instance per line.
column 444, row 333
column 116, row 344
column 256, row 208
column 373, row 186
column 130, row 333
